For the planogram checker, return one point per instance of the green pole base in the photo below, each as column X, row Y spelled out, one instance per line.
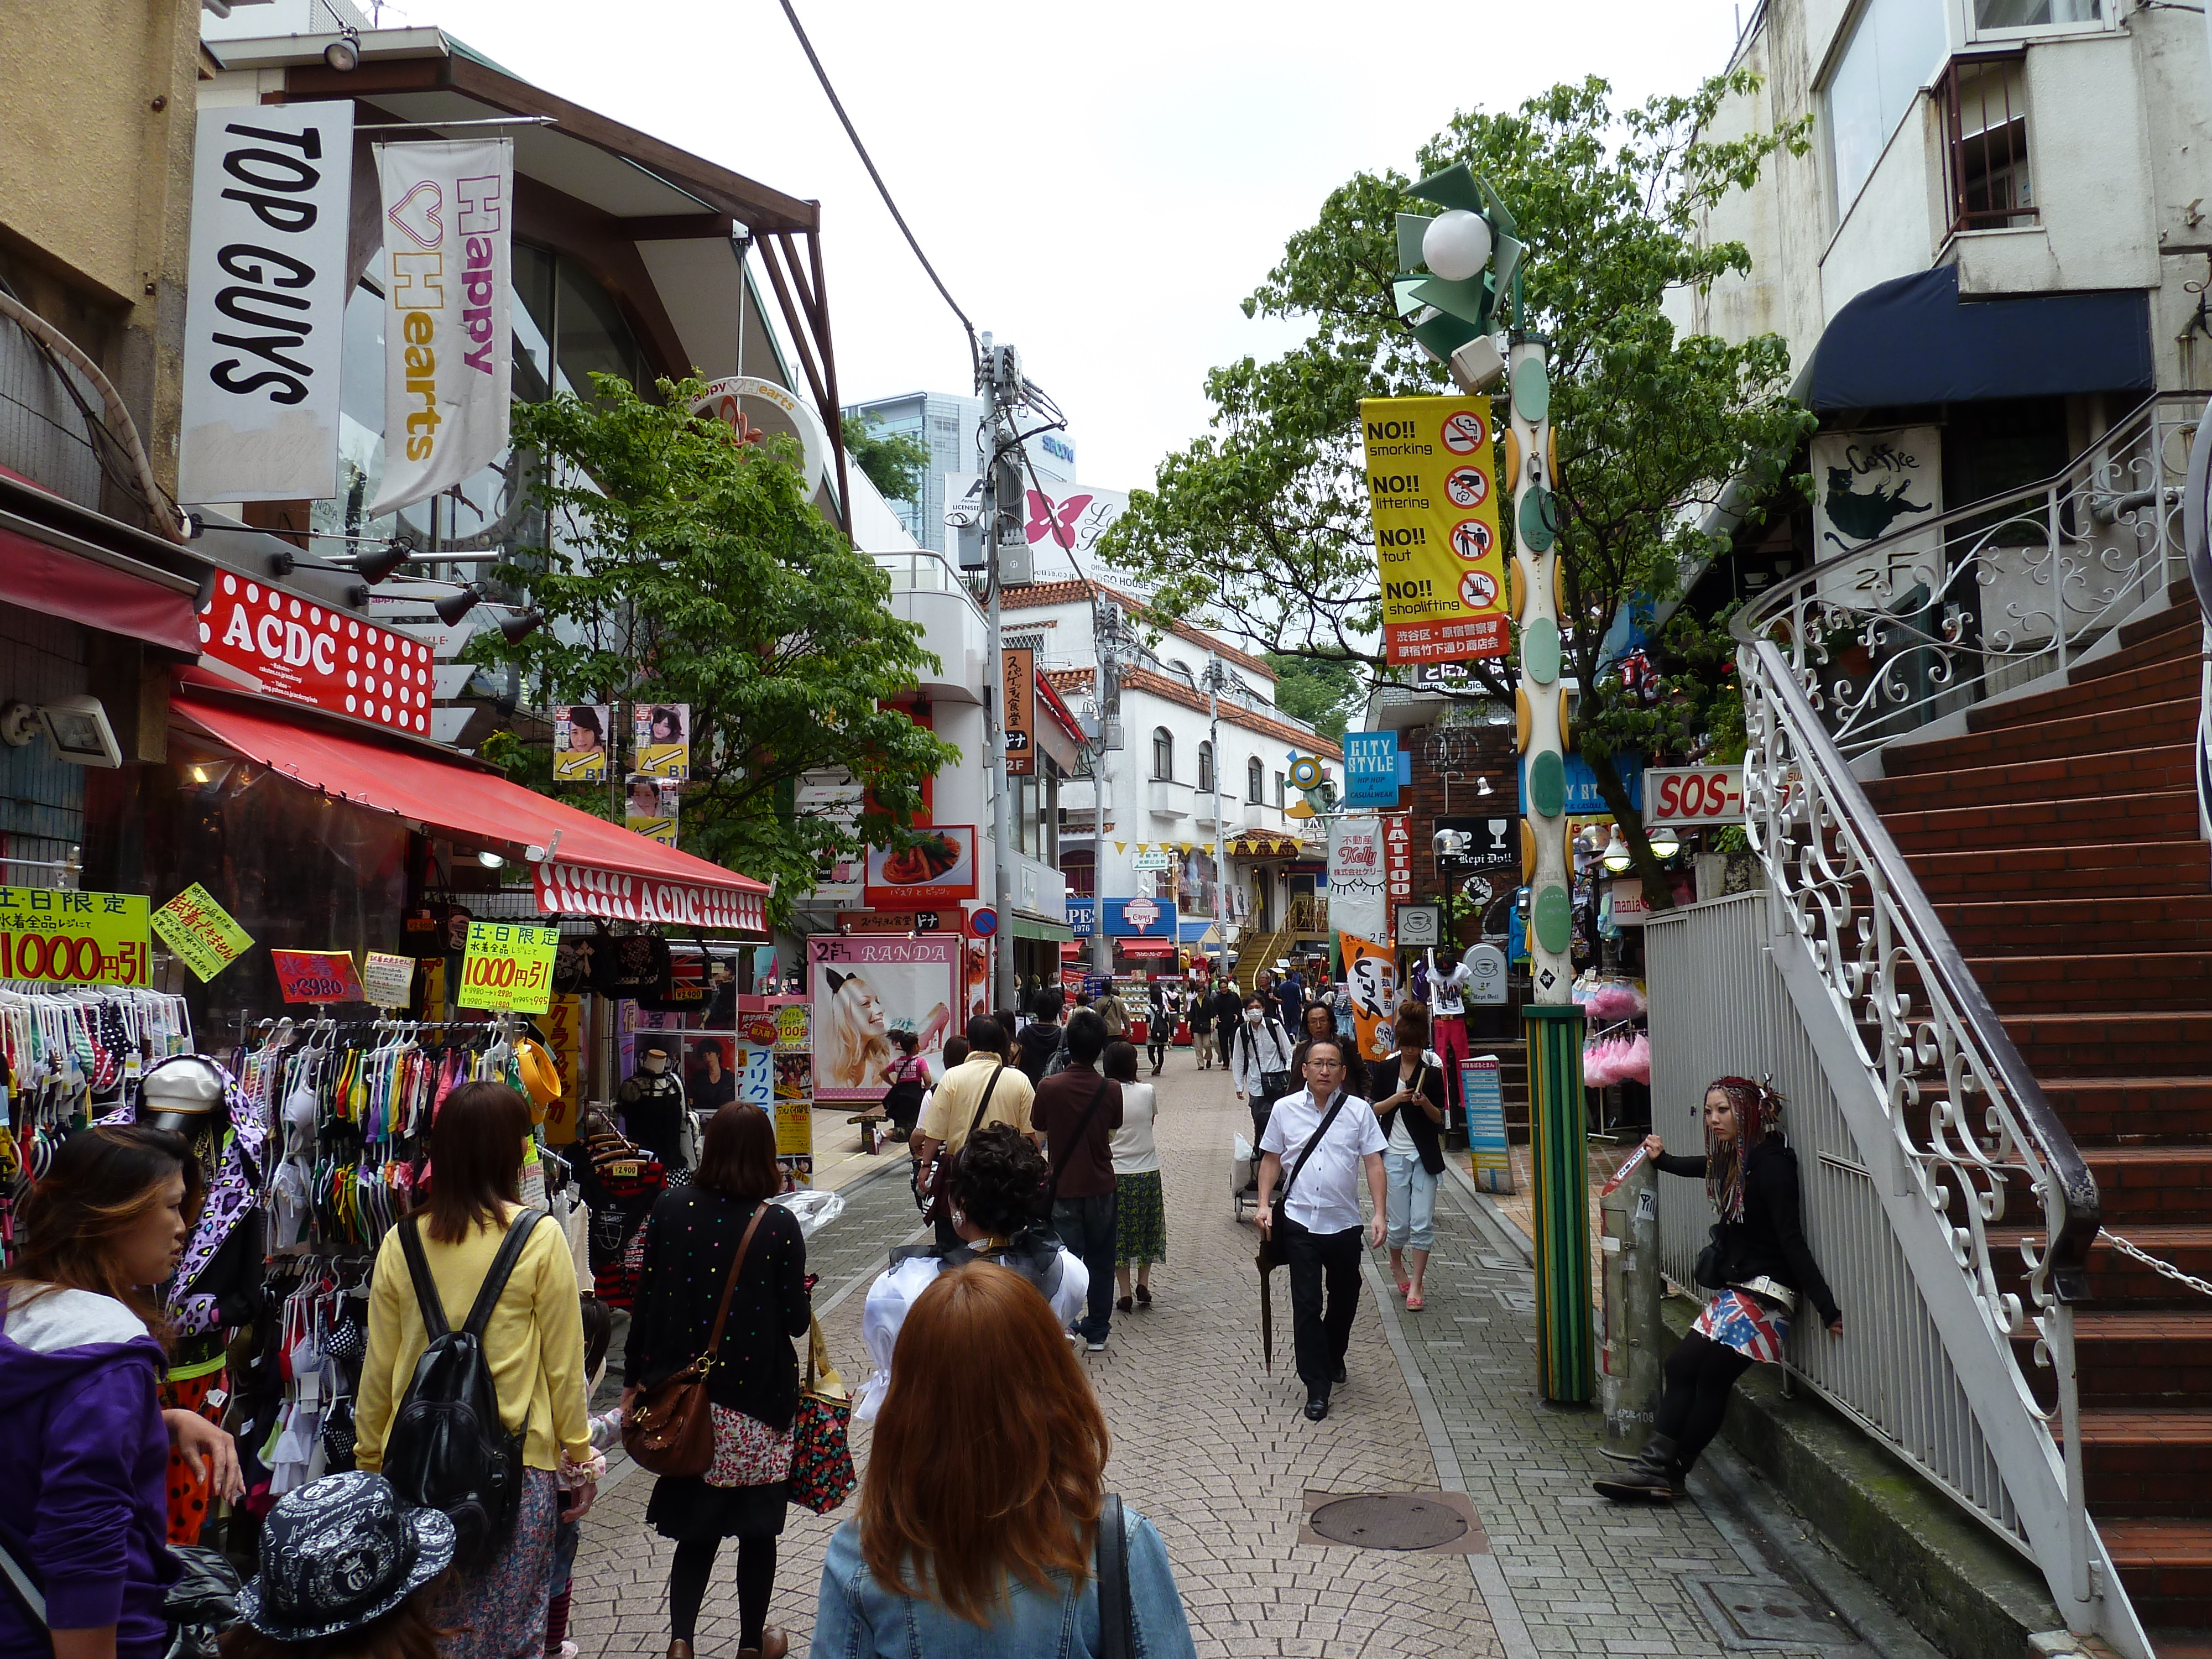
column 1566, row 1339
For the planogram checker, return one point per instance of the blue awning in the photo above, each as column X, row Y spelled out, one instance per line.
column 1916, row 340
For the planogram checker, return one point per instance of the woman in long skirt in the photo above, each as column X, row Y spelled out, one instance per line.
column 1140, row 1208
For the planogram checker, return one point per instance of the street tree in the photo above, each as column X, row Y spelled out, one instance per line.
column 896, row 463
column 1261, row 525
column 685, row 568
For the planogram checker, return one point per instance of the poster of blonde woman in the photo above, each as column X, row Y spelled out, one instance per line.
column 865, row 993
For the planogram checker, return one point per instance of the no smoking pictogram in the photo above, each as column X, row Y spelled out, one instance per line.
column 1467, row 486
column 1470, row 539
column 1463, row 434
column 1477, row 588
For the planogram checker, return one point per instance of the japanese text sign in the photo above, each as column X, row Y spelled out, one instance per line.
column 318, row 975
column 1432, row 489
column 509, row 965
column 64, row 938
column 204, row 935
column 388, row 981
column 1019, row 719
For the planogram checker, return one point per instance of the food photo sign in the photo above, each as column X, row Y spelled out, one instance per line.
column 937, row 870
column 862, row 990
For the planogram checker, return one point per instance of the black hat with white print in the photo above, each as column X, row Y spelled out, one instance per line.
column 338, row 1553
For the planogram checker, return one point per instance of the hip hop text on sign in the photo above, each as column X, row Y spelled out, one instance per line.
column 205, row 937
column 318, row 975
column 509, row 965
column 64, row 938
column 1433, row 490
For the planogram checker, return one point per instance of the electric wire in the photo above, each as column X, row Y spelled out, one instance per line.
column 975, row 346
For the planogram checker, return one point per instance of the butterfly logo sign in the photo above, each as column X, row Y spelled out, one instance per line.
column 1054, row 519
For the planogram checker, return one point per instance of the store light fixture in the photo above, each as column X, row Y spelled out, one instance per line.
column 452, row 607
column 1618, row 859
column 489, row 859
column 343, row 54
column 1665, row 842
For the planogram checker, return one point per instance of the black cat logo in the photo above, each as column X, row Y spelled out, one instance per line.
column 1862, row 515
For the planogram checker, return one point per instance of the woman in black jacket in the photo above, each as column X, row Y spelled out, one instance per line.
column 1763, row 1266
column 1412, row 1119
column 691, row 1238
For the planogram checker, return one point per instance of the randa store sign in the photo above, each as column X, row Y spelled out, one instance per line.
column 286, row 645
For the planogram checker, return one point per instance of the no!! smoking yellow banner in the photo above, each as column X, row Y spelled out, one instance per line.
column 1434, row 493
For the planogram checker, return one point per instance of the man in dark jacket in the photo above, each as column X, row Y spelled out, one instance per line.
column 1041, row 1038
column 1077, row 1110
column 1228, row 1013
column 1290, row 1002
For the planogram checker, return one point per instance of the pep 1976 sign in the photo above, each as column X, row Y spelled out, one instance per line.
column 1688, row 796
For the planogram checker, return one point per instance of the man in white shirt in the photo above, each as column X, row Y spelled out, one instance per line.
column 1320, row 1220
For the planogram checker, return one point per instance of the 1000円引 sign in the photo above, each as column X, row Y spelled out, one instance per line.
column 67, row 938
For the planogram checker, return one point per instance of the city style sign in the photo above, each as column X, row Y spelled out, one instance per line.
column 287, row 646
column 1374, row 769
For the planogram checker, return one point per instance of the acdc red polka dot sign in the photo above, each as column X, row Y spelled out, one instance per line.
column 289, row 647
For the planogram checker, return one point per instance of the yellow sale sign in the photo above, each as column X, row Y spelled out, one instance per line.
column 206, row 937
column 1433, row 491
column 509, row 965
column 58, row 936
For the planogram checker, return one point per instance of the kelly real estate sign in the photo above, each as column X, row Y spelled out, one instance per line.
column 1433, row 491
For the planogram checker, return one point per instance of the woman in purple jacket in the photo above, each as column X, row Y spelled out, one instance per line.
column 84, row 1464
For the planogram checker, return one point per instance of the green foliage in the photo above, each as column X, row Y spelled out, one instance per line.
column 896, row 463
column 1323, row 694
column 686, row 569
column 1261, row 525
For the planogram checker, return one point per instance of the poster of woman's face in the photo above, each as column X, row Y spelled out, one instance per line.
column 865, row 989
column 580, row 742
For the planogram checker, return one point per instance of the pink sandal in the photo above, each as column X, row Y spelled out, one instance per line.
column 1404, row 1285
column 1414, row 1302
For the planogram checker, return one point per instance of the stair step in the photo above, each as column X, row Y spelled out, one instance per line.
column 2138, row 726
column 2156, row 1045
column 2089, row 926
column 2140, row 770
column 2177, row 641
column 2161, row 815
column 2178, row 616
column 2151, row 1112
column 2152, row 681
column 2144, row 1356
column 2139, row 1461
column 2138, row 868
column 2054, row 983
column 2150, row 1184
column 2166, row 1564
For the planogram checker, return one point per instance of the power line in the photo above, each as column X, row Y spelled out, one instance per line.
column 975, row 350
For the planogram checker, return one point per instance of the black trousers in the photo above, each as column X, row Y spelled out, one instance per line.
column 1321, row 1324
column 1700, row 1372
column 1222, row 1033
column 1087, row 1227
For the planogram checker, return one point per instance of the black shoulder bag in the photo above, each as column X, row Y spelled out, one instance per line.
column 1271, row 1255
column 1052, row 1188
column 931, row 1195
column 1117, row 1623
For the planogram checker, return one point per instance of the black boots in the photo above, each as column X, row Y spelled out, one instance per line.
column 1654, row 1477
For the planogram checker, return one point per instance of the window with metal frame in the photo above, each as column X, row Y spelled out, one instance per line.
column 1987, row 182
column 1163, row 753
column 1253, row 780
column 1204, row 768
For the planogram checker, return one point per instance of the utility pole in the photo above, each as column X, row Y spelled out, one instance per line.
column 1001, row 383
column 1214, row 675
column 1106, row 635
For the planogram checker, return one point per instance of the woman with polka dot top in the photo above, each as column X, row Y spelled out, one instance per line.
column 691, row 1237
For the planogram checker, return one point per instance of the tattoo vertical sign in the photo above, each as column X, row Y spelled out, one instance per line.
column 448, row 286
column 265, row 320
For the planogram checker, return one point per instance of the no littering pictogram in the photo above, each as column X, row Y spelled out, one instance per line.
column 1468, row 486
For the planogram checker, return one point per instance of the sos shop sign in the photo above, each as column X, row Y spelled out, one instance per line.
column 1688, row 796
column 289, row 646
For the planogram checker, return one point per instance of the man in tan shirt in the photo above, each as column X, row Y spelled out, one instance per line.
column 950, row 1117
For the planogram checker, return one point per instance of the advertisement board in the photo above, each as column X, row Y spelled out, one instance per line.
column 937, row 869
column 1374, row 769
column 863, row 989
column 660, row 739
column 1140, row 918
column 1432, row 489
column 59, row 937
column 1020, row 706
column 1489, row 1152
column 1688, row 797
column 580, row 742
column 287, row 644
column 1359, row 896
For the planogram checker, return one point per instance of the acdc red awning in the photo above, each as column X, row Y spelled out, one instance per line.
column 590, row 868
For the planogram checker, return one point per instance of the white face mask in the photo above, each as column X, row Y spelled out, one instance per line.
column 1251, row 1016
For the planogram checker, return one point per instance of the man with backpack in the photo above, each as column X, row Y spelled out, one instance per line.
column 1079, row 1110
column 1040, row 1039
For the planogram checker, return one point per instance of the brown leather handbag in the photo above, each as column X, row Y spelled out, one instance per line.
column 670, row 1430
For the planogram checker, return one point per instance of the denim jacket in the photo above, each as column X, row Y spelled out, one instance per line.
column 858, row 1618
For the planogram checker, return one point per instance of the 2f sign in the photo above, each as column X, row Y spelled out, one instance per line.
column 1690, row 796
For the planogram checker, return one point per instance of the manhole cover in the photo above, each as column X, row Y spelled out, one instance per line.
column 1749, row 1613
column 1389, row 1520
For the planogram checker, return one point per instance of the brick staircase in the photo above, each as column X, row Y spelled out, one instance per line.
column 2058, row 841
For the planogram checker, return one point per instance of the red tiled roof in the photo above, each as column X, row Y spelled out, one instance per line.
column 1085, row 587
column 1240, row 715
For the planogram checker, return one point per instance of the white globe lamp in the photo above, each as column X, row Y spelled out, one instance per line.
column 1457, row 244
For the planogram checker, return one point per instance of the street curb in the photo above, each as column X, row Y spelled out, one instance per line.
column 1497, row 1595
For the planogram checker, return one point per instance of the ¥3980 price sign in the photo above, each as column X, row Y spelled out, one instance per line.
column 65, row 938
column 509, row 965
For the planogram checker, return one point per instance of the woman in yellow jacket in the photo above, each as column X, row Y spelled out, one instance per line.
column 534, row 1344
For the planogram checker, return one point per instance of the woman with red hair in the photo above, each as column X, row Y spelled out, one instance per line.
column 979, row 1520
column 1758, row 1263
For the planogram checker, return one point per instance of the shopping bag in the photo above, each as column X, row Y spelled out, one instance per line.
column 822, row 1472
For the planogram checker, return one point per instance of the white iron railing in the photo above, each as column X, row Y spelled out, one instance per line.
column 1895, row 635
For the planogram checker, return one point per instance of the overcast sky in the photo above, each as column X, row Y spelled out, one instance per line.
column 1100, row 185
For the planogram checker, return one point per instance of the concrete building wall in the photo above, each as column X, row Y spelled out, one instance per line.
column 96, row 137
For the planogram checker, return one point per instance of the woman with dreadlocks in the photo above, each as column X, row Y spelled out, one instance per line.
column 1760, row 1262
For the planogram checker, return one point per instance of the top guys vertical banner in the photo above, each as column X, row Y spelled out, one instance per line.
column 265, row 318
column 448, row 271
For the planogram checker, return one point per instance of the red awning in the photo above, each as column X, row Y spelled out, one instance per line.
column 1069, row 948
column 46, row 579
column 595, row 868
column 1144, row 947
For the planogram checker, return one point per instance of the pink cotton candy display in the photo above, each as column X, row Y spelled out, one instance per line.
column 1608, row 1003
column 1636, row 1063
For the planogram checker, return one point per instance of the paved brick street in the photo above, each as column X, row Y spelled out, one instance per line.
column 1217, row 1453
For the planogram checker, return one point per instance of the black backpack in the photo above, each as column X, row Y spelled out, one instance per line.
column 447, row 1448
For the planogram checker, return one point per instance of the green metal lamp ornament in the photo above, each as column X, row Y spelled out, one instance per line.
column 1457, row 270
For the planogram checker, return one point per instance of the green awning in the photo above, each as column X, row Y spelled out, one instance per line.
column 1036, row 927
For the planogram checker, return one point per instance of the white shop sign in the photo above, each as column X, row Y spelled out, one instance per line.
column 1688, row 797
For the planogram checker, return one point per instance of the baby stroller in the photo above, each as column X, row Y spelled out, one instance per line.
column 1244, row 1164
